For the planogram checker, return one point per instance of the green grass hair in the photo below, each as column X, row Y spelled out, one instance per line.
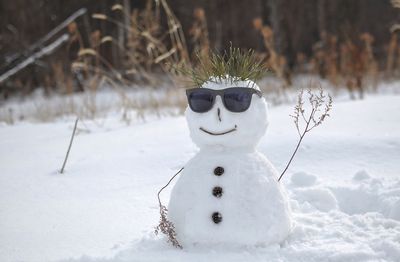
column 233, row 65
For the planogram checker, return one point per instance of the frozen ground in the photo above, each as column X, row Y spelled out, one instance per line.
column 344, row 187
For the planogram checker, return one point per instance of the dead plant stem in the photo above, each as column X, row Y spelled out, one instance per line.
column 172, row 178
column 69, row 147
column 298, row 145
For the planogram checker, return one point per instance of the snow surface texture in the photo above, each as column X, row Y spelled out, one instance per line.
column 344, row 188
column 252, row 205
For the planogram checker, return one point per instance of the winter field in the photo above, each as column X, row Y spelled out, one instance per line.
column 344, row 187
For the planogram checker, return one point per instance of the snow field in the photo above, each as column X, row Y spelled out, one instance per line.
column 343, row 185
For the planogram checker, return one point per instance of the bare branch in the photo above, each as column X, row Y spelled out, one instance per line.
column 317, row 101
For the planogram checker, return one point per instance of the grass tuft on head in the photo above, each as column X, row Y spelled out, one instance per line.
column 233, row 65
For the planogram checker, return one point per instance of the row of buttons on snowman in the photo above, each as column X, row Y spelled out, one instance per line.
column 217, row 192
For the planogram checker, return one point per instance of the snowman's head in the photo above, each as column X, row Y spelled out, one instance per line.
column 226, row 113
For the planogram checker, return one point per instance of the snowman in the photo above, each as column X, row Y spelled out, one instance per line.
column 228, row 193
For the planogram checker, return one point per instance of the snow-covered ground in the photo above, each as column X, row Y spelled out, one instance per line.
column 344, row 187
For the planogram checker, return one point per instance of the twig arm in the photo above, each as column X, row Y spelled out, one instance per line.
column 172, row 178
column 316, row 101
column 165, row 226
column 291, row 158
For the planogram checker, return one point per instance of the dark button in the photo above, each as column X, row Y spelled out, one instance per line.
column 219, row 171
column 217, row 191
column 216, row 217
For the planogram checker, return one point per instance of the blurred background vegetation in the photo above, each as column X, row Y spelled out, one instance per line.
column 77, row 45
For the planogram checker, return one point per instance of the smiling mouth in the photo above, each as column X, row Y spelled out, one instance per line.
column 218, row 134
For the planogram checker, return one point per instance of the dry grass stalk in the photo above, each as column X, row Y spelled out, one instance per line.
column 321, row 105
column 325, row 58
column 199, row 34
column 165, row 226
column 301, row 63
column 332, row 60
column 352, row 66
column 274, row 61
column 393, row 47
column 70, row 145
column 395, row 3
column 147, row 47
column 358, row 64
column 369, row 61
column 398, row 62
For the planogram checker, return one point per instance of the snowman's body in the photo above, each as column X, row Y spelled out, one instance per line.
column 228, row 192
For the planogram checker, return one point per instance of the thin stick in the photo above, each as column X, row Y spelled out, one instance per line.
column 172, row 178
column 165, row 226
column 69, row 147
column 316, row 101
column 297, row 147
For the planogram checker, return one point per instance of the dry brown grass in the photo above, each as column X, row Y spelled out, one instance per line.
column 274, row 61
column 146, row 54
column 199, row 35
column 142, row 51
column 349, row 63
column 393, row 52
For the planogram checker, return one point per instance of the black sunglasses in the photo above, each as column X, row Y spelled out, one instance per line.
column 235, row 99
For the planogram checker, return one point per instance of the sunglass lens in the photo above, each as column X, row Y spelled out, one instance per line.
column 237, row 99
column 200, row 100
